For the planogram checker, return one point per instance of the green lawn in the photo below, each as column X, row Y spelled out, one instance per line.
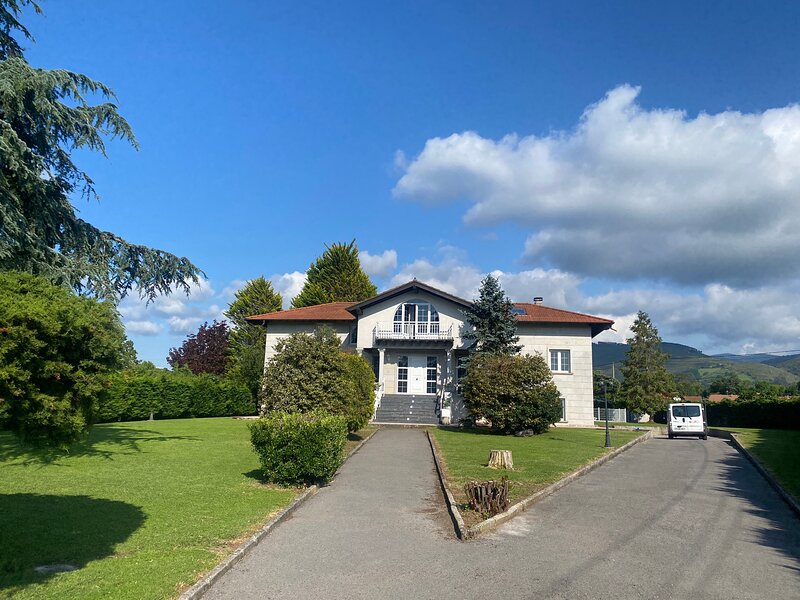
column 141, row 508
column 538, row 460
column 778, row 450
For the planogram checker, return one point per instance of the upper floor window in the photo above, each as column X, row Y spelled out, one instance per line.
column 354, row 335
column 416, row 316
column 560, row 361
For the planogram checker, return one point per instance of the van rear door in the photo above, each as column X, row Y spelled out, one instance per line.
column 687, row 417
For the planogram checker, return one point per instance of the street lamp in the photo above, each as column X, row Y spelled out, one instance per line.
column 605, row 398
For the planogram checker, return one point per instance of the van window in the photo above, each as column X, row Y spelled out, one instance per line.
column 685, row 411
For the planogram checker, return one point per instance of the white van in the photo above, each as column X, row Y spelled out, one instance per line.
column 687, row 418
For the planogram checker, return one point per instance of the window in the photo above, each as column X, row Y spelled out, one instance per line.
column 688, row 411
column 402, row 375
column 416, row 318
column 560, row 361
column 461, row 371
column 430, row 380
column 563, row 408
column 375, row 365
column 354, row 335
column 518, row 310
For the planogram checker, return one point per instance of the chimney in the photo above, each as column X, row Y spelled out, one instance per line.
column 538, row 300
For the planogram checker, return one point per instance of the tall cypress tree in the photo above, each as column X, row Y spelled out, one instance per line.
column 44, row 116
column 494, row 327
column 648, row 385
column 336, row 276
column 246, row 345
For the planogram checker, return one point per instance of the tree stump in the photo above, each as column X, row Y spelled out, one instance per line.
column 501, row 459
column 488, row 497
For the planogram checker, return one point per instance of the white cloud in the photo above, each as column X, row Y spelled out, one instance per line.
column 461, row 279
column 632, row 193
column 378, row 265
column 716, row 318
column 178, row 313
column 143, row 327
column 288, row 285
column 184, row 325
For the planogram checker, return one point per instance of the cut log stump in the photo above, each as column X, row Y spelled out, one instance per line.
column 501, row 459
column 488, row 497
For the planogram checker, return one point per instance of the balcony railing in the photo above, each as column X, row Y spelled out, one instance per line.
column 413, row 331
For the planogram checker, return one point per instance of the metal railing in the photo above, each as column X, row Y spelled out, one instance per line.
column 619, row 415
column 379, row 390
column 412, row 331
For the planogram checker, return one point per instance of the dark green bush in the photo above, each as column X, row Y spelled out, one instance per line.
column 310, row 372
column 513, row 392
column 135, row 393
column 359, row 398
column 56, row 353
column 779, row 413
column 299, row 448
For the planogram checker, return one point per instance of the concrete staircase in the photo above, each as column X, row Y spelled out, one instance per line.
column 409, row 409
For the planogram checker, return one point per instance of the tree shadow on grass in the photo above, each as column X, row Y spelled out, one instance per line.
column 104, row 441
column 38, row 530
column 781, row 529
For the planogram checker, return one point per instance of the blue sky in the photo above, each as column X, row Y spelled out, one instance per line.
column 611, row 157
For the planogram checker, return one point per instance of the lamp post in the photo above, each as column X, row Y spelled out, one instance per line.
column 605, row 398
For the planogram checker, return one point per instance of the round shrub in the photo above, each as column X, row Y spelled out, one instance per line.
column 299, row 448
column 310, row 372
column 513, row 392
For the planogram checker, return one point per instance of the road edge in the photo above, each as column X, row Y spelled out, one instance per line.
column 210, row 578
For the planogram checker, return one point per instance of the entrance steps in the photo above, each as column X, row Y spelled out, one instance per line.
column 412, row 409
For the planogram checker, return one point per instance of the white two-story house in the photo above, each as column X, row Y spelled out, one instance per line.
column 413, row 335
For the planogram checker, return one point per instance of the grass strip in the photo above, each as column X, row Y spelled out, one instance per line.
column 538, row 460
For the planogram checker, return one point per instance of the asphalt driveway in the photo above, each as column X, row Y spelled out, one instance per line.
column 680, row 518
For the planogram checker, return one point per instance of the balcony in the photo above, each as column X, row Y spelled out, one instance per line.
column 425, row 332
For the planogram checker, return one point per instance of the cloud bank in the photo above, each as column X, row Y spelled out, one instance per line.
column 631, row 193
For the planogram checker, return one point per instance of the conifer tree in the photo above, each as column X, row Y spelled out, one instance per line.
column 494, row 327
column 647, row 386
column 45, row 115
column 336, row 276
column 246, row 344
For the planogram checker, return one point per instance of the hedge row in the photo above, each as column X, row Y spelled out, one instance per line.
column 768, row 414
column 134, row 394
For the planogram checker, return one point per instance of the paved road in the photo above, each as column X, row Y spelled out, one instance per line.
column 668, row 519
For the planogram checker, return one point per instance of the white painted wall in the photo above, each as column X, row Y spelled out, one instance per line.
column 383, row 312
column 280, row 329
column 576, row 386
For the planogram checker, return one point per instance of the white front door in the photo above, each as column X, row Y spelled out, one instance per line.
column 417, row 372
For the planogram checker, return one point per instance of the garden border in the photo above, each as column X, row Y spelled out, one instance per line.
column 467, row 533
column 210, row 578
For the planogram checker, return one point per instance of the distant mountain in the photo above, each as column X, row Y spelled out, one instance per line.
column 605, row 353
column 691, row 362
column 787, row 363
column 761, row 357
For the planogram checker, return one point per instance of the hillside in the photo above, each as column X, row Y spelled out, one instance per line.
column 688, row 361
column 605, row 353
column 787, row 363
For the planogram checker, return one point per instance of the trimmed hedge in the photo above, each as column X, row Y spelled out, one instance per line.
column 781, row 413
column 299, row 448
column 134, row 394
